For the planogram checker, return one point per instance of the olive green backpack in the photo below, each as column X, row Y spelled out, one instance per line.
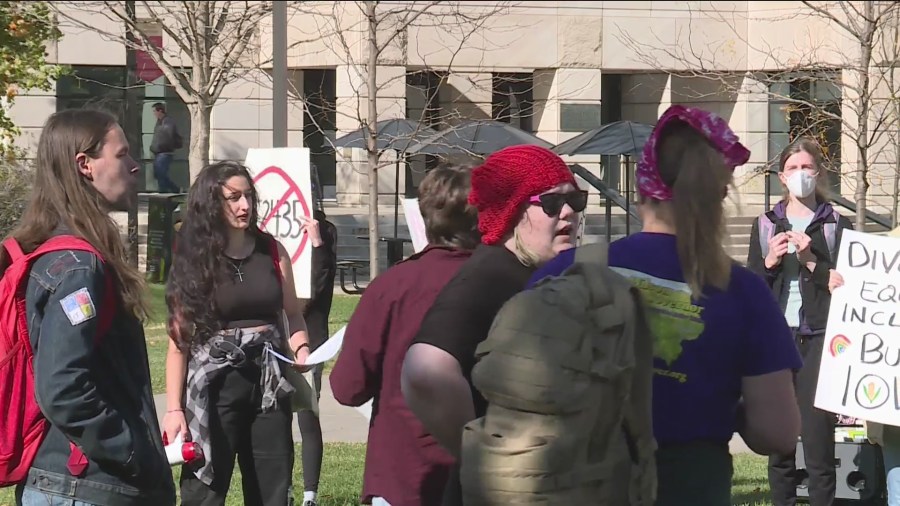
column 567, row 372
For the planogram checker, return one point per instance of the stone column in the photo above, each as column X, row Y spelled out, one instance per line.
column 566, row 104
column 352, row 110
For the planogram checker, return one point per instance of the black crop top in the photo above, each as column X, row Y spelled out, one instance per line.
column 249, row 293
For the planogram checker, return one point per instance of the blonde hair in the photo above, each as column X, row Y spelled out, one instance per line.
column 526, row 257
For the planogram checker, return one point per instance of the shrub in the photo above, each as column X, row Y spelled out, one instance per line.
column 15, row 189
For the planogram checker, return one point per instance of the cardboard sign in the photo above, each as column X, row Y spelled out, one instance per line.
column 282, row 180
column 859, row 374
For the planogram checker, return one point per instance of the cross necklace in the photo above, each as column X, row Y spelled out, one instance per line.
column 238, row 264
column 237, row 269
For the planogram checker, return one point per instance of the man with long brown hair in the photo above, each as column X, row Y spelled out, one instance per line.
column 103, row 444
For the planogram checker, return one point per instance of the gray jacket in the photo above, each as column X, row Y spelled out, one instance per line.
column 164, row 136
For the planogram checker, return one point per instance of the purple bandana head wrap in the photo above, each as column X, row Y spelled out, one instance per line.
column 714, row 128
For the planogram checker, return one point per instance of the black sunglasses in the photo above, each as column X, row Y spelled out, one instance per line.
column 552, row 203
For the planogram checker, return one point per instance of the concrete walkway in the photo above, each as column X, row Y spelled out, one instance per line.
column 341, row 424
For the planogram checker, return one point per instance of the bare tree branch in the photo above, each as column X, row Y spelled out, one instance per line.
column 213, row 36
column 864, row 24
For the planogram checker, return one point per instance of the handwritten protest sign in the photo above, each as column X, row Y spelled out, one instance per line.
column 859, row 375
column 282, row 180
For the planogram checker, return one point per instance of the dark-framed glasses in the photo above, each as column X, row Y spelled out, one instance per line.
column 552, row 203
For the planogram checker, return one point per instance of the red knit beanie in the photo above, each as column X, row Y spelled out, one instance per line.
column 506, row 180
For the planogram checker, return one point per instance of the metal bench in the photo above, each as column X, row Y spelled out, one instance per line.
column 351, row 266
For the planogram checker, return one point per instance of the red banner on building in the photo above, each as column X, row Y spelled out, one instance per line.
column 147, row 69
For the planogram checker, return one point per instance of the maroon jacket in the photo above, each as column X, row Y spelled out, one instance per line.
column 404, row 464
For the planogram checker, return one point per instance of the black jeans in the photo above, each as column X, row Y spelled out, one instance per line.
column 816, row 433
column 262, row 442
column 697, row 473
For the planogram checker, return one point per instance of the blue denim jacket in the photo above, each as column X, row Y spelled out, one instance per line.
column 94, row 393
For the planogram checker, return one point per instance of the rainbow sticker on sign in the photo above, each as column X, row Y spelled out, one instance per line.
column 839, row 345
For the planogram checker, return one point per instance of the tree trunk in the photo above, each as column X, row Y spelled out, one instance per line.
column 895, row 194
column 133, row 127
column 895, row 123
column 198, row 155
column 862, row 134
column 371, row 140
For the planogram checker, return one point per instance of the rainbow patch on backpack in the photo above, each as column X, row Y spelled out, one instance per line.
column 78, row 306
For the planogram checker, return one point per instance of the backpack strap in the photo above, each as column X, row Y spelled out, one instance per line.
column 766, row 231
column 830, row 230
column 78, row 461
column 13, row 248
column 276, row 258
column 637, row 410
column 594, row 253
column 69, row 242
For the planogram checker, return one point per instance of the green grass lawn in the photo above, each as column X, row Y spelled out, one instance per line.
column 343, row 463
column 339, row 485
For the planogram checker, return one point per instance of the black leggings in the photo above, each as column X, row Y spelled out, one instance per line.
column 310, row 429
column 312, row 447
column 262, row 443
column 816, row 434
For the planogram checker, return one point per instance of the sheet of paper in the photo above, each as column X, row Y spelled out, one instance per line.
column 415, row 224
column 279, row 356
column 366, row 410
column 328, row 350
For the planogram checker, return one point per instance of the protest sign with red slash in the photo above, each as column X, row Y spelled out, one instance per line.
column 282, row 181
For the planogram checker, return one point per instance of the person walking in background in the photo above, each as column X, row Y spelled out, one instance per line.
column 724, row 354
column 166, row 139
column 91, row 374
column 405, row 466
column 794, row 248
column 528, row 204
column 323, row 238
column 231, row 304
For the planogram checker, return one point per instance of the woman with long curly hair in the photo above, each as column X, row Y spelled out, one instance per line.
column 225, row 386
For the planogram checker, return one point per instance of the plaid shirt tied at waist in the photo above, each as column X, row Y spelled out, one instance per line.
column 230, row 348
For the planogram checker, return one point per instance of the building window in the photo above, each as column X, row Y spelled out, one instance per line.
column 105, row 88
column 423, row 101
column 423, row 104
column 513, row 100
column 579, row 117
column 806, row 105
column 319, row 126
column 93, row 87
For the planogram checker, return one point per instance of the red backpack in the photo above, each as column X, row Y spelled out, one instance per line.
column 23, row 426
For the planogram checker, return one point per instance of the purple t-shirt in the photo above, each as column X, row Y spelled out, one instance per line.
column 703, row 348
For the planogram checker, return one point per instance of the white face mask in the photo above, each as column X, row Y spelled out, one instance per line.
column 801, row 184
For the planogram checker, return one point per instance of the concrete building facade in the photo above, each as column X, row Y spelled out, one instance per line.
column 553, row 68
